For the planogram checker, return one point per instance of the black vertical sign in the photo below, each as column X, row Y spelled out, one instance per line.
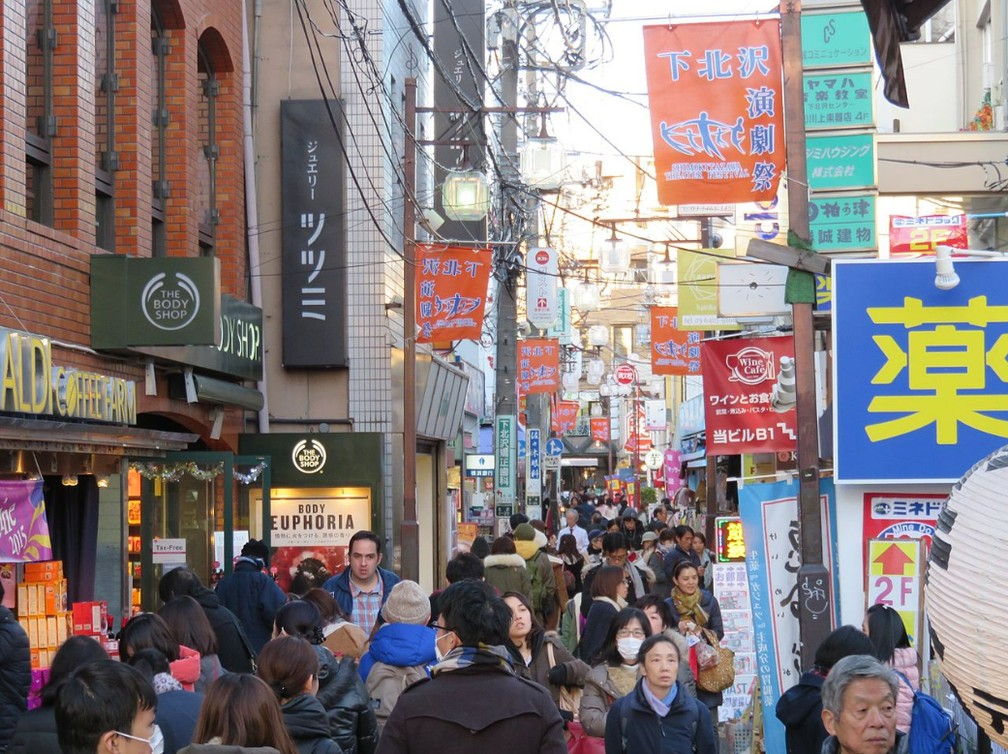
column 461, row 60
column 313, row 263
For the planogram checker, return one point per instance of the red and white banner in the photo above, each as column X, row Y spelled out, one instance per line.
column 451, row 291
column 538, row 365
column 673, row 463
column 638, row 438
column 600, row 429
column 563, row 417
column 744, row 397
column 673, row 351
column 900, row 515
column 920, row 235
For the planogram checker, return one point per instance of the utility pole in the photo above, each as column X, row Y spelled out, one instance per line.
column 409, row 536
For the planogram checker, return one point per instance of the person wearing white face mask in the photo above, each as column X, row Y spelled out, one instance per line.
column 617, row 674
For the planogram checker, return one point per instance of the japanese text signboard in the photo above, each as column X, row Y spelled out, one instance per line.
column 505, row 447
column 838, row 100
column 717, row 110
column 835, row 40
column 451, row 289
column 314, row 245
column 541, row 276
column 740, row 390
column 673, row 351
column 920, row 235
column 843, row 223
column 600, row 429
column 840, row 161
column 896, row 515
column 894, row 570
column 533, row 468
column 563, row 416
column 538, row 366
column 924, row 377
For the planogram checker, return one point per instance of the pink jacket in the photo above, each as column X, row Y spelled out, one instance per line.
column 905, row 661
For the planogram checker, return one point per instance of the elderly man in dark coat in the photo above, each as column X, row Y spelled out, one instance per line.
column 475, row 701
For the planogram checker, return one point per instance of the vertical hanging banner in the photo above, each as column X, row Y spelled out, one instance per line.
column 541, row 276
column 600, row 429
column 313, row 261
column 717, row 110
column 749, row 395
column 563, row 416
column 673, row 351
column 505, row 449
column 533, row 468
column 24, row 531
column 538, row 366
column 451, row 289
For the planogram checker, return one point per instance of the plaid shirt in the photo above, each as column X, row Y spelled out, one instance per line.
column 366, row 605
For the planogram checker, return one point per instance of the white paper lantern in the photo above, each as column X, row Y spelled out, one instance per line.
column 570, row 381
column 598, row 336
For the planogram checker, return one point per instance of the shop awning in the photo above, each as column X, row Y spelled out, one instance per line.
column 18, row 433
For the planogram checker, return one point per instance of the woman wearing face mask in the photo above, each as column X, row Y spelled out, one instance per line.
column 693, row 610
column 617, row 674
column 532, row 648
column 609, row 591
column 683, row 722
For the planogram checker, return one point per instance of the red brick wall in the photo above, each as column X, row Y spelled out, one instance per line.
column 44, row 287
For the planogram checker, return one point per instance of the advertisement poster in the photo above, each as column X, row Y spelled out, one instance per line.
column 538, row 366
column 770, row 522
column 451, row 291
column 893, row 577
column 599, row 429
column 920, row 235
column 24, row 531
column 748, row 402
column 673, row 351
column 898, row 515
column 731, row 587
column 563, row 416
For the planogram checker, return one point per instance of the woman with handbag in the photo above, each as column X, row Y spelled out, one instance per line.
column 542, row 657
column 697, row 615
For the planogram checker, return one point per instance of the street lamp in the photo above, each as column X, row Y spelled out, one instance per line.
column 465, row 195
column 614, row 254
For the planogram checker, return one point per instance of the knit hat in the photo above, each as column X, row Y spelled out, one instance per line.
column 524, row 532
column 649, row 536
column 407, row 603
column 255, row 548
column 517, row 519
column 595, row 534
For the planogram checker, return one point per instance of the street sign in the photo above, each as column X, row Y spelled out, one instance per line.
column 894, row 578
column 654, row 458
column 551, row 463
column 554, row 447
column 842, row 223
column 533, row 467
column 479, row 465
column 541, row 305
column 625, row 374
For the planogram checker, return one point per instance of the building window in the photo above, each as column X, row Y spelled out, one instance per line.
column 106, row 157
column 40, row 41
column 209, row 150
column 159, row 121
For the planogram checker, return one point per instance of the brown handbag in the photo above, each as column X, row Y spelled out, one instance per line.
column 720, row 676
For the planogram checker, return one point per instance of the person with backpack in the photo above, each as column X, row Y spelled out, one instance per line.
column 659, row 716
column 888, row 635
column 859, row 708
column 544, row 588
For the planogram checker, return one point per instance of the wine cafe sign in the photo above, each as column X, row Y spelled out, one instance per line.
column 32, row 384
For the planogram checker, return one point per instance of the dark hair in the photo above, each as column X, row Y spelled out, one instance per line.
column 74, row 652
column 681, row 566
column 310, row 573
column 475, row 613
column 536, row 629
column 568, row 545
column 480, row 547
column 613, row 541
column 666, row 535
column 189, row 625
column 607, row 579
column 256, row 548
column 179, row 581
column 650, row 642
column 364, row 535
column 150, row 662
column 516, row 519
column 300, row 618
column 840, row 643
column 663, row 608
column 147, row 630
column 503, row 546
column 241, row 710
column 464, row 565
column 682, row 530
column 886, row 631
column 609, row 654
column 99, row 697
column 699, row 535
column 286, row 663
column 328, row 607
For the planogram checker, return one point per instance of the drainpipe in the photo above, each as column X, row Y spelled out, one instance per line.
column 251, row 208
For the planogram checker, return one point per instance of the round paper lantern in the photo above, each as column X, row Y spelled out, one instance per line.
column 966, row 596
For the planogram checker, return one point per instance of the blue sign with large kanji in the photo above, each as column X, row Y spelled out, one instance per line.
column 920, row 374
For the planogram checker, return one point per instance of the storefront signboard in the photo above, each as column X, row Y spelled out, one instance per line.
column 317, row 521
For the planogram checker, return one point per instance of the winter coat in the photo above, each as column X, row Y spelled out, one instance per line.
column 176, row 715
column 186, row 669
column 254, row 597
column 540, row 570
column 571, row 623
column 210, row 670
column 672, row 558
column 507, row 573
column 400, row 644
column 707, row 563
column 232, row 643
column 662, row 585
column 596, row 628
column 308, row 726
column 15, row 674
column 227, row 749
column 480, row 708
column 709, row 604
column 339, row 587
column 346, row 639
column 905, row 661
column 832, row 746
column 599, row 694
column 538, row 669
column 341, row 692
column 638, row 578
column 800, row 709
column 36, row 733
column 686, row 729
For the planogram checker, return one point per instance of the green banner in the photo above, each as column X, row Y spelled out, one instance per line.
column 835, row 40
column 841, row 161
column 838, row 100
column 843, row 223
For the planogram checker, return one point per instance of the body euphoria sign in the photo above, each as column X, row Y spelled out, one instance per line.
column 317, row 522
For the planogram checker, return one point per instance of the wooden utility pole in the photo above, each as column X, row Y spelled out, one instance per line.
column 815, row 598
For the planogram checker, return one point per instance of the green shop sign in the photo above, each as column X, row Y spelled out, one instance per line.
column 840, row 161
column 843, row 223
column 835, row 40
column 838, row 100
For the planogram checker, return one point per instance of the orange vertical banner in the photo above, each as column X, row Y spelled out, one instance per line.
column 673, row 351
column 538, row 365
column 451, row 291
column 600, row 429
column 564, row 416
column 717, row 110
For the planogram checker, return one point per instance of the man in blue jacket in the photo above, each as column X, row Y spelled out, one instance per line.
column 363, row 586
column 251, row 594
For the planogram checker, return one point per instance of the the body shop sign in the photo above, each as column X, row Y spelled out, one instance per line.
column 309, row 456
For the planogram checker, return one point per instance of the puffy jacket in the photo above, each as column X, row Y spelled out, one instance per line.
column 905, row 661
column 307, row 724
column 15, row 674
column 507, row 573
column 399, row 644
column 339, row 587
column 36, row 733
column 254, row 598
column 672, row 558
column 176, row 715
column 543, row 580
column 686, row 728
column 232, row 644
column 352, row 722
column 186, row 669
column 800, row 709
column 599, row 694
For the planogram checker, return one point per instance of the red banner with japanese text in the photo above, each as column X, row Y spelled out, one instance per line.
column 673, row 351
column 920, row 235
column 600, row 429
column 749, row 395
column 538, row 365
column 717, row 110
column 563, row 417
column 451, row 291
